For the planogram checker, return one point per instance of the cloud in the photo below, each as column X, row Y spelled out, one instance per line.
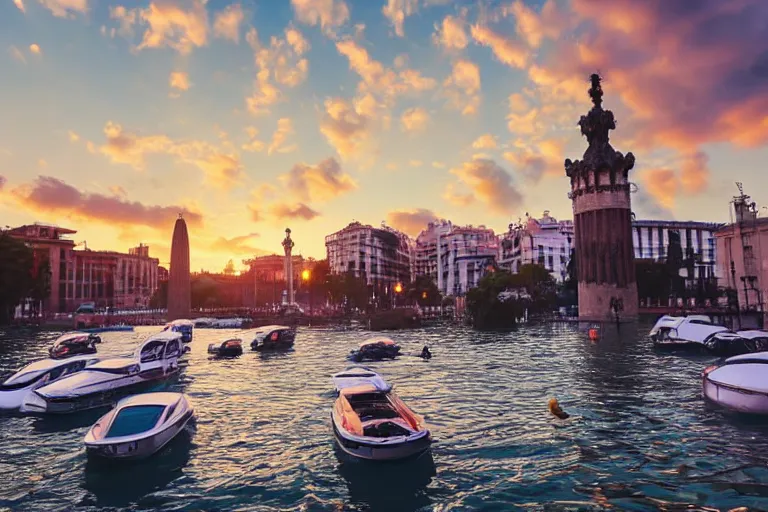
column 533, row 27
column 329, row 14
column 17, row 54
column 450, row 34
column 62, row 8
column 397, row 10
column 221, row 169
column 237, row 245
column 411, row 222
column 73, row 137
column 179, row 80
column 438, row 165
column 456, row 198
column 415, row 163
column 292, row 211
column 19, row 5
column 486, row 141
column 282, row 132
column 537, row 158
column 53, row 196
column 490, row 184
column 34, row 48
column 694, row 175
column 320, row 182
column 662, row 185
column 279, row 64
column 226, row 23
column 345, row 127
column 518, row 103
column 462, row 87
column 253, row 144
column 414, row 119
column 3, row 181
column 508, row 51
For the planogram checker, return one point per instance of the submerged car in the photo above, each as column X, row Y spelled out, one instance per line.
column 139, row 426
column 271, row 337
column 231, row 347
column 697, row 333
column 375, row 349
column 154, row 361
column 371, row 422
column 74, row 344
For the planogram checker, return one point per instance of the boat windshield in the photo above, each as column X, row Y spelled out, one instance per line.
column 135, row 420
column 23, row 377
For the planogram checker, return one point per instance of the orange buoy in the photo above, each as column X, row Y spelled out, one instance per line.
column 594, row 334
column 554, row 408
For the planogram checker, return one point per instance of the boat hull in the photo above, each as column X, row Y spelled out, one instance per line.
column 735, row 399
column 714, row 346
column 12, row 399
column 141, row 447
column 382, row 452
column 37, row 403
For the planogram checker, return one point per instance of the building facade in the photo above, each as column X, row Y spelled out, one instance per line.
column 382, row 256
column 110, row 279
column 545, row 241
column 266, row 275
column 650, row 239
column 740, row 255
column 455, row 257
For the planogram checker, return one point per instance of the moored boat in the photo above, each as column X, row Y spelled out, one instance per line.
column 375, row 349
column 183, row 326
column 155, row 360
column 231, row 347
column 139, row 426
column 697, row 333
column 108, row 328
column 74, row 344
column 371, row 422
column 740, row 383
column 270, row 337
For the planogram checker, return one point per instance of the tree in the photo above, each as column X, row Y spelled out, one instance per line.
column 229, row 269
column 205, row 293
column 539, row 284
column 423, row 291
column 653, row 280
column 40, row 288
column 16, row 263
column 159, row 299
column 491, row 304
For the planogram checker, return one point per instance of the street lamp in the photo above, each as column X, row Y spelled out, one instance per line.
column 305, row 275
column 398, row 290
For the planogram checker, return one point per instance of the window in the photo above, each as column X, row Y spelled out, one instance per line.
column 172, row 349
column 152, row 351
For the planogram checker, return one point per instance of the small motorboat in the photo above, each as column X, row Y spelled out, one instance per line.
column 204, row 322
column 155, row 360
column 739, row 384
column 14, row 390
column 139, row 426
column 228, row 323
column 231, row 347
column 74, row 344
column 697, row 333
column 371, row 422
column 271, row 337
column 185, row 327
column 375, row 349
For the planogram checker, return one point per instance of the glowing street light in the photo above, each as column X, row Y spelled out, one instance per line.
column 398, row 288
column 305, row 275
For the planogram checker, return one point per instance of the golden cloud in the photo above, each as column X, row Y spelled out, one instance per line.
column 179, row 80
column 345, row 127
column 508, row 51
column 450, row 34
column 329, row 14
column 226, row 23
column 292, row 211
column 61, row 8
column 280, row 136
column 490, row 184
column 486, row 141
column 411, row 222
column 320, row 182
column 414, row 119
column 462, row 87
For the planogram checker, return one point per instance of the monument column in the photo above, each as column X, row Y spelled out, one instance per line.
column 602, row 215
column 179, row 287
column 288, row 248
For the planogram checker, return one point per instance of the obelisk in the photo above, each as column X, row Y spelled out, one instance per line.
column 602, row 215
column 288, row 265
column 179, row 289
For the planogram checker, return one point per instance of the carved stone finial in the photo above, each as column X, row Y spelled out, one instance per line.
column 181, row 215
column 596, row 91
column 288, row 231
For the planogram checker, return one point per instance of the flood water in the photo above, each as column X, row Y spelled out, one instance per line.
column 639, row 436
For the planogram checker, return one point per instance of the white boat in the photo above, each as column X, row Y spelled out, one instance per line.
column 699, row 333
column 739, row 384
column 139, row 426
column 14, row 390
column 185, row 327
column 74, row 344
column 155, row 360
column 371, row 422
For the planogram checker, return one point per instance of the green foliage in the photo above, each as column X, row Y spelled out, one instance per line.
column 205, row 293
column 653, row 280
column 423, row 291
column 347, row 287
column 40, row 288
column 159, row 299
column 16, row 281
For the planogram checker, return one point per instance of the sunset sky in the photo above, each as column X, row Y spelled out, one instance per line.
column 258, row 115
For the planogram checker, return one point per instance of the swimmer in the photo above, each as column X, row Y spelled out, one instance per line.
column 554, row 408
column 425, row 353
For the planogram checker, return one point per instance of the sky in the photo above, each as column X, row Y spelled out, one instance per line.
column 252, row 116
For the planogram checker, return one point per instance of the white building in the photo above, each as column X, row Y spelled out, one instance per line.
column 455, row 257
column 380, row 255
column 545, row 241
column 650, row 239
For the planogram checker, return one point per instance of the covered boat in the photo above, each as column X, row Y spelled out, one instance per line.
column 270, row 337
column 371, row 422
column 375, row 349
column 739, row 384
column 74, row 344
column 204, row 322
column 15, row 389
column 139, row 426
column 183, row 326
column 155, row 360
column 698, row 333
column 231, row 347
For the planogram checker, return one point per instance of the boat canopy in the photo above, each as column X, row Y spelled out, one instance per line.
column 360, row 390
column 182, row 322
column 377, row 341
column 359, row 376
column 135, row 419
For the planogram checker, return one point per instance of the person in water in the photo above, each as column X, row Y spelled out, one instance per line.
column 425, row 353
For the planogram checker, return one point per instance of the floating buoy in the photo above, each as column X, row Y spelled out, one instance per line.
column 554, row 408
column 594, row 334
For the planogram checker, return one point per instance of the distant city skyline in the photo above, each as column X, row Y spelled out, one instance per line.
column 253, row 116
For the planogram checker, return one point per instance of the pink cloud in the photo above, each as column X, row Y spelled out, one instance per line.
column 411, row 222
column 292, row 211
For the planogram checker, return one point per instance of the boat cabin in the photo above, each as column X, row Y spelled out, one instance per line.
column 271, row 336
column 47, row 370
column 368, row 411
column 73, row 344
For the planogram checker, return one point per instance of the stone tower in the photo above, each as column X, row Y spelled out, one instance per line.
column 288, row 264
column 179, row 289
column 602, row 214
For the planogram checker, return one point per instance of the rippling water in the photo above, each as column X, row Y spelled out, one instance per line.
column 639, row 437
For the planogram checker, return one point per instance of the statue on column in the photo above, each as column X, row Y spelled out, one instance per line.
column 288, row 247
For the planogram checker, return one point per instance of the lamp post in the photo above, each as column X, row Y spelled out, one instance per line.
column 305, row 276
column 398, row 290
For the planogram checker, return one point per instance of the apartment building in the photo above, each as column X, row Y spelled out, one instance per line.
column 545, row 241
column 650, row 238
